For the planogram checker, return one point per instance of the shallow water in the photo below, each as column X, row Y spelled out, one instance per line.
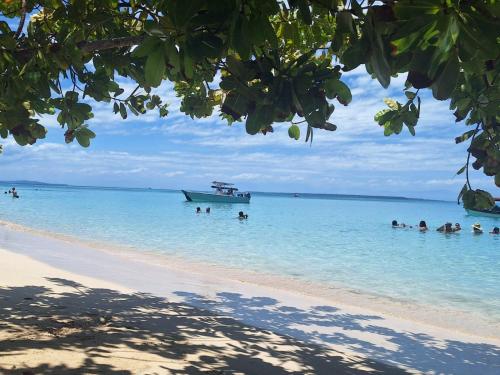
column 336, row 242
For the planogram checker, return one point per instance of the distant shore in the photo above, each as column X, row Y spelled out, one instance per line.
column 335, row 318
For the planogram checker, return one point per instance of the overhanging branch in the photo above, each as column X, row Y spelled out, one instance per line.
column 87, row 47
column 100, row 45
column 21, row 21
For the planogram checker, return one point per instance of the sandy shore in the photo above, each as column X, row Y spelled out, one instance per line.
column 66, row 307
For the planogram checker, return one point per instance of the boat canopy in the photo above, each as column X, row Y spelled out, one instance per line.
column 217, row 183
column 223, row 186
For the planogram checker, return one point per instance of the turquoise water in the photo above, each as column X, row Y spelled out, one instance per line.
column 346, row 242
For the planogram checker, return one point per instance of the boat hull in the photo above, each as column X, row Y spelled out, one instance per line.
column 495, row 215
column 196, row 196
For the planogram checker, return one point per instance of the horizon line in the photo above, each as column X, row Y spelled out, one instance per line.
column 30, row 182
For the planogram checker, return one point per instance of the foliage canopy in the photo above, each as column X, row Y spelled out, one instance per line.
column 259, row 61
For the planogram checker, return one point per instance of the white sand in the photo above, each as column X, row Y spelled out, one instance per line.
column 298, row 328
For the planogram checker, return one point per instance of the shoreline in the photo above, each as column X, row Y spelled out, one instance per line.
column 459, row 321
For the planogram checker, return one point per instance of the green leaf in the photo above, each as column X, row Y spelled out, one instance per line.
column 304, row 11
column 478, row 199
column 462, row 170
column 315, row 119
column 410, row 119
column 155, row 67
column 187, row 65
column 4, row 133
column 484, row 200
column 309, row 134
column 204, row 46
column 329, row 126
column 123, row 111
column 344, row 22
column 38, row 131
column 462, row 192
column 447, row 80
column 259, row 119
column 172, row 55
column 381, row 117
column 336, row 88
column 411, row 129
column 294, row 132
column 239, row 37
column 235, row 105
column 465, row 136
column 147, row 46
column 410, row 95
column 353, row 56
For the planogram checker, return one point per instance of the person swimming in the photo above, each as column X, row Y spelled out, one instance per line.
column 395, row 224
column 495, row 230
column 242, row 216
column 457, row 228
column 198, row 210
column 422, row 227
column 446, row 228
column 476, row 228
column 207, row 210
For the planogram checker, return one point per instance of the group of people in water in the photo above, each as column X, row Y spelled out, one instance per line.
column 445, row 228
column 14, row 193
column 241, row 214
column 198, row 210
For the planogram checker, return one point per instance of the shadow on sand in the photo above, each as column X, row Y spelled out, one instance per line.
column 104, row 324
column 187, row 338
column 361, row 333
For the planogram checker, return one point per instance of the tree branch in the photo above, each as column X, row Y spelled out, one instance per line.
column 468, row 157
column 100, row 45
column 21, row 21
column 85, row 46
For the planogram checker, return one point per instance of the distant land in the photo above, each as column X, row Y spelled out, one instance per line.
column 276, row 194
column 28, row 182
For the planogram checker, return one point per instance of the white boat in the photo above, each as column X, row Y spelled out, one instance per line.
column 223, row 193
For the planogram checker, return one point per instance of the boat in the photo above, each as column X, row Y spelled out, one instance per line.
column 223, row 193
column 494, row 212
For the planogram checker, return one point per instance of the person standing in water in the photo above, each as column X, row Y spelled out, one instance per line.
column 476, row 229
column 422, row 227
column 447, row 228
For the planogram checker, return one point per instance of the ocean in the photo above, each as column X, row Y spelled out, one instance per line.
column 336, row 241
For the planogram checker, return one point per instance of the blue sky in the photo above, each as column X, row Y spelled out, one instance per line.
column 177, row 152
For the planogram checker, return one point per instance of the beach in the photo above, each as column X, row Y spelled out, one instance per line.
column 68, row 306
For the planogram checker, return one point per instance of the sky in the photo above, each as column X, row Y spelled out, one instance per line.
column 177, row 152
